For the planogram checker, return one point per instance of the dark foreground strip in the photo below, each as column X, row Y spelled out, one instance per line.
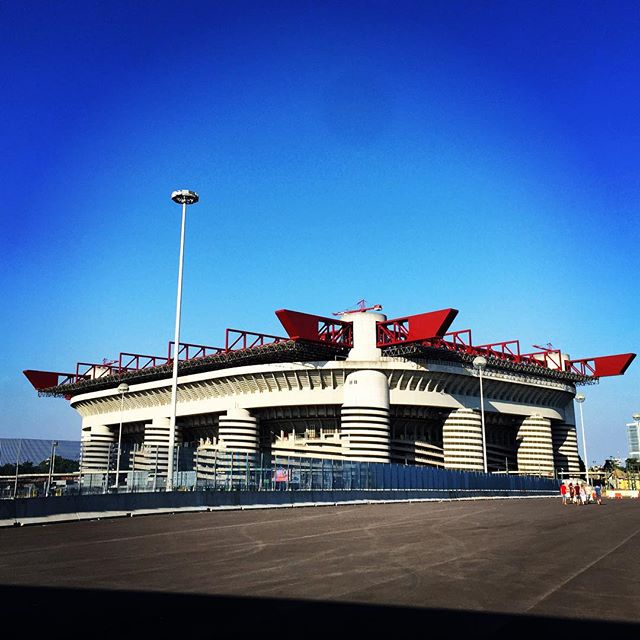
column 66, row 613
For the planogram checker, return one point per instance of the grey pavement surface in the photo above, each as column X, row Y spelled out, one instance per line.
column 532, row 558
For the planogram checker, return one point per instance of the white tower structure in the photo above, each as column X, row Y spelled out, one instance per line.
column 365, row 408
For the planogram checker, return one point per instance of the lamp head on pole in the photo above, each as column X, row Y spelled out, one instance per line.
column 580, row 397
column 123, row 387
column 479, row 363
column 184, row 196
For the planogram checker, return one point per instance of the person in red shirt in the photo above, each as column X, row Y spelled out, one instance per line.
column 563, row 493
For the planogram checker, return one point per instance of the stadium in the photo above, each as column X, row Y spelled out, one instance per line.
column 356, row 387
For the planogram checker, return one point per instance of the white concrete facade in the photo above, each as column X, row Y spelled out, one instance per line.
column 365, row 407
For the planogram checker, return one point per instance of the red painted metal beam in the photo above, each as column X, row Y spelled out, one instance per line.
column 550, row 358
column 305, row 326
column 417, row 328
column 601, row 366
column 236, row 339
column 135, row 361
column 453, row 341
column 47, row 379
column 94, row 370
column 188, row 351
column 505, row 350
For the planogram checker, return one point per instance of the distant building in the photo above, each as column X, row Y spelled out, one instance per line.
column 633, row 437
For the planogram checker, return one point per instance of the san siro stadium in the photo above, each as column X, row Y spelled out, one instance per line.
column 356, row 387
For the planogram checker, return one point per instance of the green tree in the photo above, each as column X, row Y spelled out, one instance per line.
column 62, row 465
column 611, row 464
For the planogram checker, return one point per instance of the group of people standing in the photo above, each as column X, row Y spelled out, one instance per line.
column 580, row 493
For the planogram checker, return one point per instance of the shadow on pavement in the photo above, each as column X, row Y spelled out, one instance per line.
column 68, row 613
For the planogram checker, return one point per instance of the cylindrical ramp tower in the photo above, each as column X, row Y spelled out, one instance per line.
column 565, row 448
column 97, row 443
column 462, row 441
column 156, row 444
column 365, row 417
column 535, row 446
column 238, row 431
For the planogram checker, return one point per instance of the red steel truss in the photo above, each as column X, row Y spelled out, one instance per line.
column 417, row 328
column 504, row 350
column 188, row 351
column 93, row 370
column 457, row 341
column 48, row 379
column 135, row 361
column 236, row 339
column 305, row 326
column 550, row 358
column 425, row 329
column 602, row 366
column 598, row 367
column 507, row 350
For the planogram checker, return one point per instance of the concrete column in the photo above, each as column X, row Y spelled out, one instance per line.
column 535, row 446
column 238, row 431
column 96, row 443
column 364, row 335
column 565, row 448
column 365, row 417
column 462, row 441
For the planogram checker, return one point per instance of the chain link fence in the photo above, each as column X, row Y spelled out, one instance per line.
column 31, row 467
column 35, row 468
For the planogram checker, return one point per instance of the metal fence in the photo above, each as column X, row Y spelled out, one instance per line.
column 265, row 472
column 32, row 467
column 143, row 469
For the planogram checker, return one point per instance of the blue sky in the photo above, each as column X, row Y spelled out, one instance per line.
column 476, row 155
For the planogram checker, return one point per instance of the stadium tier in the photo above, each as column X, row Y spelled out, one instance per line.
column 356, row 387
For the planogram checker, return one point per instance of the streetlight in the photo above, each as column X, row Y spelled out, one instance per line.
column 183, row 197
column 580, row 399
column 52, row 462
column 480, row 363
column 122, row 388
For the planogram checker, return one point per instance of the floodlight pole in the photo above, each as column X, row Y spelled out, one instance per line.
column 580, row 398
column 15, row 486
column 480, row 363
column 183, row 197
column 122, row 388
column 52, row 463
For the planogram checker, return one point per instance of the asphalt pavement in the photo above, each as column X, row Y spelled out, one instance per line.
column 490, row 567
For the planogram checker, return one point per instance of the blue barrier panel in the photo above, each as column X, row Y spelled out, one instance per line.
column 296, row 475
column 386, row 474
column 32, row 508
